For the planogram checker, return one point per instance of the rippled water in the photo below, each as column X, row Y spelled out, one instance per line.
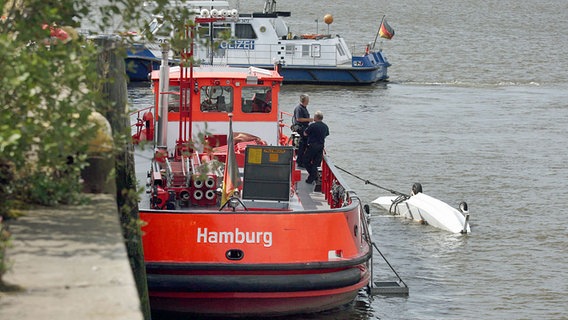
column 476, row 110
column 500, row 149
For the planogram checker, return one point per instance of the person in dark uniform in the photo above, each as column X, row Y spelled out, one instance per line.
column 315, row 134
column 302, row 120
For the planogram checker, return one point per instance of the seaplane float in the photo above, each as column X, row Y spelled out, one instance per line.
column 421, row 207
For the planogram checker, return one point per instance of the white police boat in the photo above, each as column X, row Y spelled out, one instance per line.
column 264, row 40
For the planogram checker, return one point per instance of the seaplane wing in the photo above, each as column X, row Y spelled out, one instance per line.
column 424, row 208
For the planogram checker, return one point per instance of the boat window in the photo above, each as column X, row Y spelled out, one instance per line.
column 340, row 49
column 316, row 50
column 216, row 99
column 162, row 30
column 173, row 99
column 305, row 50
column 244, row 31
column 257, row 99
column 221, row 31
column 154, row 25
column 203, row 30
column 290, row 48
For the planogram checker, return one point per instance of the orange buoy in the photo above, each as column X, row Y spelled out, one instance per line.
column 328, row 18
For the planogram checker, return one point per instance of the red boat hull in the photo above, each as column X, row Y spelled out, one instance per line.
column 302, row 269
column 256, row 303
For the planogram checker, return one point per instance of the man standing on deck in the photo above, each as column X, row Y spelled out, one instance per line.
column 302, row 120
column 315, row 134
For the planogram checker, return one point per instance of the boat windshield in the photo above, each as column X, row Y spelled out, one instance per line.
column 257, row 99
column 216, row 99
column 159, row 28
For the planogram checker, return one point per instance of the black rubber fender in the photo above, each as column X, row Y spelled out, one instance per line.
column 253, row 283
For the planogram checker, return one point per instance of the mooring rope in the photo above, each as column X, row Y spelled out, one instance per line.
column 373, row 184
column 373, row 244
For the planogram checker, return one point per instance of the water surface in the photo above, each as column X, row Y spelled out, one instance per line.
column 476, row 109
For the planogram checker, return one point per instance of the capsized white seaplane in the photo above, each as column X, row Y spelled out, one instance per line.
column 426, row 209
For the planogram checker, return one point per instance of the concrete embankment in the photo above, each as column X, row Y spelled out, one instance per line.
column 69, row 262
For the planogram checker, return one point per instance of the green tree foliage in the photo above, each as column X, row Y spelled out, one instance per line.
column 45, row 101
column 49, row 88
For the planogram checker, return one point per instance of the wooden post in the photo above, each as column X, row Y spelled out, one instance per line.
column 111, row 67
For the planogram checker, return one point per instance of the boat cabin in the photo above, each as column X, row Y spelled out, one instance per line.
column 203, row 104
column 206, row 107
column 226, row 36
column 262, row 39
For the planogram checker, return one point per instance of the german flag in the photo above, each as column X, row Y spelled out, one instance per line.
column 386, row 31
column 231, row 174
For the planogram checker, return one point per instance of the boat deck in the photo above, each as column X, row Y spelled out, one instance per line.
column 309, row 198
column 306, row 198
